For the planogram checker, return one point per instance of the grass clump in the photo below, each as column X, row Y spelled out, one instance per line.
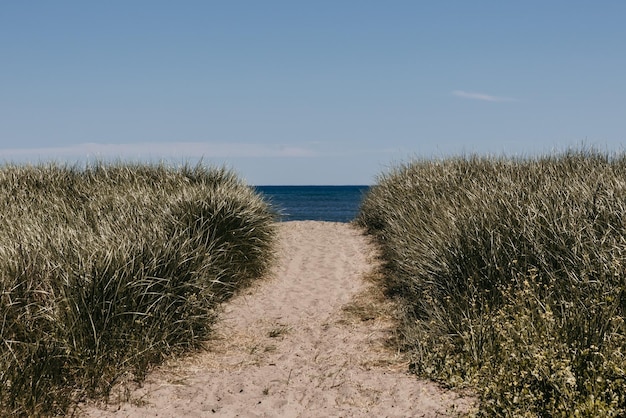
column 107, row 269
column 512, row 273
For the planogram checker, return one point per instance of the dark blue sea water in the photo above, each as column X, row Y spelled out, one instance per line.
column 316, row 203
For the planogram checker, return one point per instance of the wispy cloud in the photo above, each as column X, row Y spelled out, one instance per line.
column 161, row 149
column 481, row 96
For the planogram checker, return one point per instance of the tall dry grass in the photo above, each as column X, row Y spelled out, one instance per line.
column 512, row 273
column 107, row 269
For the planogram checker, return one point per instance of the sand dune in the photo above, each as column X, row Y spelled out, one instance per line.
column 314, row 339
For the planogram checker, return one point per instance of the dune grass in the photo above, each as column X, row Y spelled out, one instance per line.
column 107, row 269
column 512, row 275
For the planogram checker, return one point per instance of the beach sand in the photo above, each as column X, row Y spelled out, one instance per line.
column 313, row 339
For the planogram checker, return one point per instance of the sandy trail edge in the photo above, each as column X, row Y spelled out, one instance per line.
column 289, row 347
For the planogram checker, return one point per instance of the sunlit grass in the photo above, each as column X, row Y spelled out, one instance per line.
column 107, row 269
column 512, row 273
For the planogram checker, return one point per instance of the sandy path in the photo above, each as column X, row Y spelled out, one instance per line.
column 306, row 342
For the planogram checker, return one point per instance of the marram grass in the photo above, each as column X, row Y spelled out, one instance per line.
column 107, row 269
column 513, row 277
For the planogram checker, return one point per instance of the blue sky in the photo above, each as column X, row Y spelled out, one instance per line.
column 308, row 92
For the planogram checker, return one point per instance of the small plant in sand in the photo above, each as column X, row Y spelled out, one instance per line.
column 278, row 331
column 513, row 278
column 107, row 269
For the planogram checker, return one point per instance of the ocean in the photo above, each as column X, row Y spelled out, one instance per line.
column 316, row 203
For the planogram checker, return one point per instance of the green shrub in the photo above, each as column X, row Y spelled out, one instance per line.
column 107, row 269
column 512, row 274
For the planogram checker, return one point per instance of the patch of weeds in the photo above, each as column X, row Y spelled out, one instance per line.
column 108, row 269
column 512, row 277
